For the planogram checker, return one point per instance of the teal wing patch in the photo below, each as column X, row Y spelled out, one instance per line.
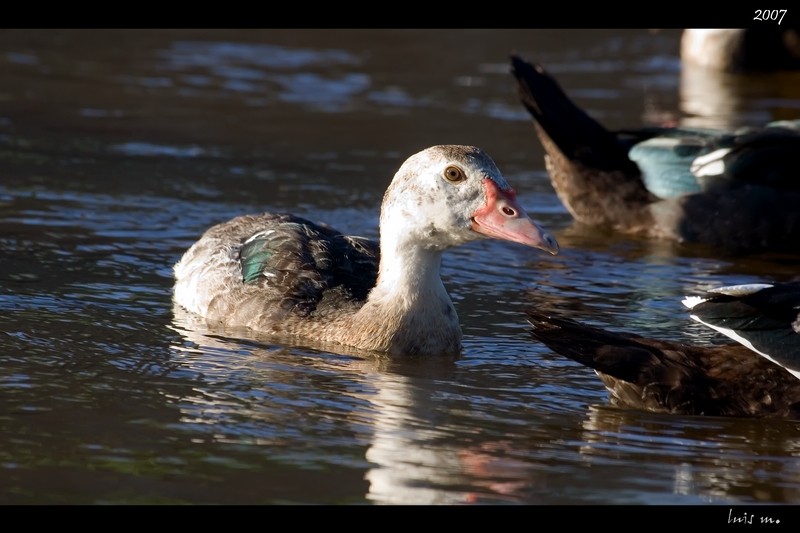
column 255, row 256
column 304, row 264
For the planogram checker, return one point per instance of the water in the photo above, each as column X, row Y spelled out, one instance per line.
column 118, row 148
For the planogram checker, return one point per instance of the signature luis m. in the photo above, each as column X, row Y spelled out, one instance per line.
column 750, row 518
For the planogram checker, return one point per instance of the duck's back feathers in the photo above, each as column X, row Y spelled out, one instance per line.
column 307, row 260
column 678, row 161
column 285, row 265
column 671, row 377
column 763, row 317
column 665, row 161
column 767, row 156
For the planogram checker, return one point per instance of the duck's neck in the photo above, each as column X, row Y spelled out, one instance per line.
column 409, row 278
column 408, row 311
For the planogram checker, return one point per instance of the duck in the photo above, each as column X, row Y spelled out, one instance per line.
column 736, row 191
column 740, row 50
column 758, row 376
column 282, row 274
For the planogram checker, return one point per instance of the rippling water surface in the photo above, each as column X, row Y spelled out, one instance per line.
column 118, row 148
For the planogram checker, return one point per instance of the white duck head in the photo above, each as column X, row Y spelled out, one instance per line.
column 448, row 195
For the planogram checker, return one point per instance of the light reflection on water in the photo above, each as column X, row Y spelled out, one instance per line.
column 116, row 157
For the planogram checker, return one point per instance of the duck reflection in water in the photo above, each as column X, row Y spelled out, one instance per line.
column 410, row 453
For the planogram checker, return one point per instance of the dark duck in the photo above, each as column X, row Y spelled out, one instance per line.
column 737, row 191
column 759, row 376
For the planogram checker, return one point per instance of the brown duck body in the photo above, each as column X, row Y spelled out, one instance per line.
column 759, row 377
column 736, row 191
column 671, row 377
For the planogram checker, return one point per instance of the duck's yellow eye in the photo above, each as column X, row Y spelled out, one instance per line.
column 453, row 173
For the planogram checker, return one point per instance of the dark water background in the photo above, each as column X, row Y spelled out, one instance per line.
column 119, row 147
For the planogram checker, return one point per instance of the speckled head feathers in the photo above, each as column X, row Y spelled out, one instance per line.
column 447, row 195
column 469, row 155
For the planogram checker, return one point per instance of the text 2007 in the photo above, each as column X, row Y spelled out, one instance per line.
column 769, row 14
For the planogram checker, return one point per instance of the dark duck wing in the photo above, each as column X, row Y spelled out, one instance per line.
column 763, row 317
column 672, row 377
column 312, row 264
column 681, row 161
column 737, row 191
